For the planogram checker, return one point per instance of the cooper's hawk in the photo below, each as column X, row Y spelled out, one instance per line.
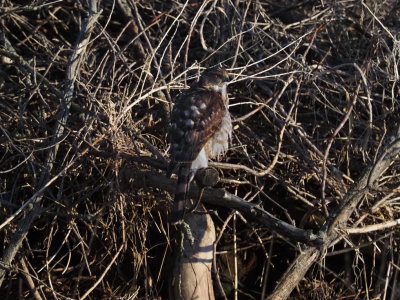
column 200, row 129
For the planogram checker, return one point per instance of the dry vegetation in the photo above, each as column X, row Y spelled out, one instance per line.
column 85, row 94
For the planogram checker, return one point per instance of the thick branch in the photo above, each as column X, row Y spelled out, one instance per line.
column 253, row 212
column 339, row 218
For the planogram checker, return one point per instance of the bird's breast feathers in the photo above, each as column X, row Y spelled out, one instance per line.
column 219, row 142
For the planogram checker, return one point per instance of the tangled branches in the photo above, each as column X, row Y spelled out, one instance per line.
column 85, row 95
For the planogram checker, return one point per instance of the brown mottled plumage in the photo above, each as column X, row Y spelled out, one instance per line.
column 200, row 129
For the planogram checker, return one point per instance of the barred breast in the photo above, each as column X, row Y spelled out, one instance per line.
column 219, row 142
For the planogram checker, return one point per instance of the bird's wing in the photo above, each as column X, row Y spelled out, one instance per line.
column 196, row 116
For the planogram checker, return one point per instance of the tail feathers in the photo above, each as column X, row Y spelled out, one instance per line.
column 181, row 194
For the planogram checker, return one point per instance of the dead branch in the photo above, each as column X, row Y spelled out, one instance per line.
column 339, row 219
column 223, row 198
column 75, row 59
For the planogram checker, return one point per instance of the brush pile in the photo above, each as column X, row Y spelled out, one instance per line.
column 85, row 94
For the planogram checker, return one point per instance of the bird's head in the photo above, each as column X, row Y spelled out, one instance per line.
column 215, row 79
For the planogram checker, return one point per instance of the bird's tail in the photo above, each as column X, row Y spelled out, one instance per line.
column 181, row 193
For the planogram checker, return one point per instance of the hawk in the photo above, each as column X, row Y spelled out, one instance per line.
column 200, row 129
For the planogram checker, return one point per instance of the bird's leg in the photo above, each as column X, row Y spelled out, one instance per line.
column 206, row 177
column 194, row 207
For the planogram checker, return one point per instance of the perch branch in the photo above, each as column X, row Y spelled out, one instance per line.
column 253, row 212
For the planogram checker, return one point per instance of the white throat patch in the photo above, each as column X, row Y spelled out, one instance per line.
column 222, row 90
